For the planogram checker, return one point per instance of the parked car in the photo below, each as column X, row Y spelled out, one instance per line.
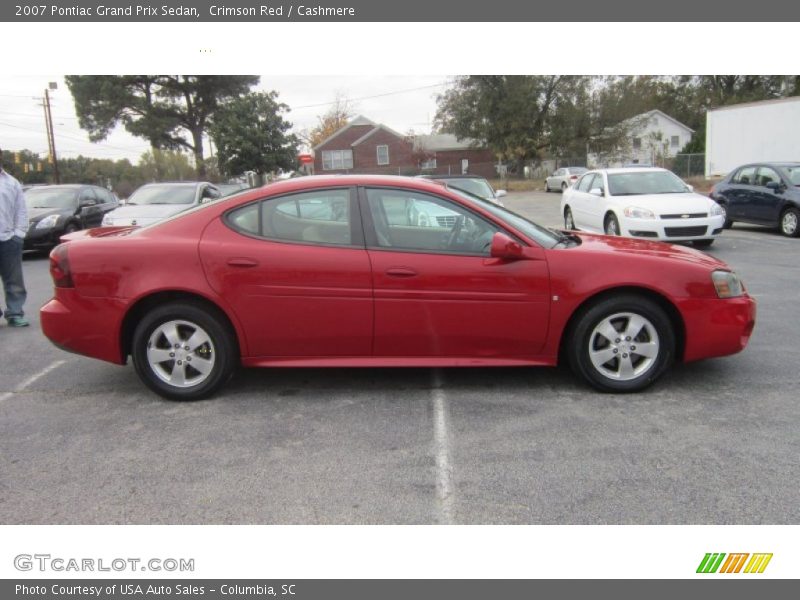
column 55, row 210
column 763, row 194
column 562, row 178
column 644, row 203
column 472, row 184
column 313, row 272
column 226, row 189
column 156, row 201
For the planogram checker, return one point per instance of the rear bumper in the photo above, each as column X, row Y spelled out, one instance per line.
column 87, row 326
column 717, row 327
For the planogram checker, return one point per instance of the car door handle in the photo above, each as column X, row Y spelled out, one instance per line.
column 242, row 262
column 401, row 272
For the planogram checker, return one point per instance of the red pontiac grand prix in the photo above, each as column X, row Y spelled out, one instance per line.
column 341, row 271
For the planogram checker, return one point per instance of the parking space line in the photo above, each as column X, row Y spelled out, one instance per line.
column 31, row 380
column 445, row 492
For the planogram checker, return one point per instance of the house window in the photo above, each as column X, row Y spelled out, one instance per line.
column 637, row 143
column 337, row 159
column 674, row 141
column 429, row 164
column 383, row 154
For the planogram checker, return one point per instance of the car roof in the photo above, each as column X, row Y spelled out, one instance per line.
column 619, row 170
column 319, row 181
column 177, row 183
column 66, row 186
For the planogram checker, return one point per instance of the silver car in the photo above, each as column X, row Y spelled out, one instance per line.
column 156, row 201
column 563, row 178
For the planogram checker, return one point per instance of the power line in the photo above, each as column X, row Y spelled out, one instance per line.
column 423, row 87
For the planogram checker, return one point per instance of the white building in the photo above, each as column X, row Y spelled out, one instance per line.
column 766, row 131
column 650, row 138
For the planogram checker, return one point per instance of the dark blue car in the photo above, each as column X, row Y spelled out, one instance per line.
column 762, row 193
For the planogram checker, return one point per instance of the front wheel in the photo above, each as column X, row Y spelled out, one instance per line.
column 569, row 222
column 621, row 344
column 611, row 226
column 789, row 222
column 702, row 243
column 183, row 351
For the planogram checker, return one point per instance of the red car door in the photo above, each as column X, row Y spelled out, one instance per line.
column 296, row 273
column 437, row 291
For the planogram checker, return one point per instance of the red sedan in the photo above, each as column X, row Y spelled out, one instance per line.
column 384, row 271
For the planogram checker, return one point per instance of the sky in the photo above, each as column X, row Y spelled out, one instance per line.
column 400, row 102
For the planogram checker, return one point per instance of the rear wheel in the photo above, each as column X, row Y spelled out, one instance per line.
column 563, row 187
column 546, row 186
column 183, row 351
column 611, row 225
column 789, row 222
column 622, row 344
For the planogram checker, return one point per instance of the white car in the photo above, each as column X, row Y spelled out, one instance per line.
column 647, row 203
column 562, row 178
column 156, row 201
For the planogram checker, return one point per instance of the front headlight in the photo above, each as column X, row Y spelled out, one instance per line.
column 48, row 222
column 635, row 212
column 727, row 284
column 717, row 210
column 107, row 221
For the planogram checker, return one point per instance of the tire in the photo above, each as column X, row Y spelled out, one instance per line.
column 611, row 225
column 790, row 222
column 176, row 378
column 546, row 187
column 589, row 343
column 727, row 224
column 563, row 187
column 702, row 243
column 569, row 222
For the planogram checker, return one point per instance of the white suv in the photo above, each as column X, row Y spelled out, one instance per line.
column 646, row 203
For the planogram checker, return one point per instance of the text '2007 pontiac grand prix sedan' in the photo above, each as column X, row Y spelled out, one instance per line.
column 339, row 272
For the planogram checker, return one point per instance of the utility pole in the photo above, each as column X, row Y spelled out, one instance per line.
column 51, row 138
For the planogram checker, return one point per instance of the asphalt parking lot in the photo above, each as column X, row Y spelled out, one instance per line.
column 715, row 442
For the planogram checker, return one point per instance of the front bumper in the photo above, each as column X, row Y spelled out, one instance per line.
column 716, row 326
column 42, row 238
column 673, row 230
column 88, row 326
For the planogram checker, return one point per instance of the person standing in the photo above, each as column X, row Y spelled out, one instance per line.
column 13, row 227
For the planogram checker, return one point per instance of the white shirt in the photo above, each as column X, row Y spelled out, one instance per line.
column 13, row 211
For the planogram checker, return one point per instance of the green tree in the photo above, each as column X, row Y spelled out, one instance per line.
column 251, row 135
column 165, row 165
column 520, row 118
column 171, row 111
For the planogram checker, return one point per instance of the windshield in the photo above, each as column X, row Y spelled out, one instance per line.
column 49, row 198
column 542, row 236
column 479, row 187
column 793, row 172
column 164, row 194
column 645, row 182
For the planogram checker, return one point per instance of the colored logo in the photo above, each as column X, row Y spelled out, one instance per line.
column 734, row 563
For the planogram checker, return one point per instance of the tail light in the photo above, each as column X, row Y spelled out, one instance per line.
column 573, row 177
column 59, row 267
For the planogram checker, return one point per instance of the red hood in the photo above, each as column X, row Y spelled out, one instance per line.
column 610, row 245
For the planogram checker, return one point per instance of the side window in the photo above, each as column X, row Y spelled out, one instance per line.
column 245, row 219
column 766, row 175
column 558, row 173
column 317, row 217
column 87, row 196
column 586, row 180
column 745, row 176
column 406, row 220
column 209, row 193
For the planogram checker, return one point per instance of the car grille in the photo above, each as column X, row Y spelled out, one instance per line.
column 684, row 231
column 686, row 216
column 446, row 221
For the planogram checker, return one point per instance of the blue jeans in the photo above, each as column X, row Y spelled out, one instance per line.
column 11, row 274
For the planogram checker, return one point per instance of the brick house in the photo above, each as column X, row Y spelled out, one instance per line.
column 363, row 146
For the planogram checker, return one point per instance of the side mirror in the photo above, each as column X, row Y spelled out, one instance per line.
column 500, row 193
column 596, row 192
column 775, row 186
column 690, row 186
column 87, row 202
column 506, row 248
